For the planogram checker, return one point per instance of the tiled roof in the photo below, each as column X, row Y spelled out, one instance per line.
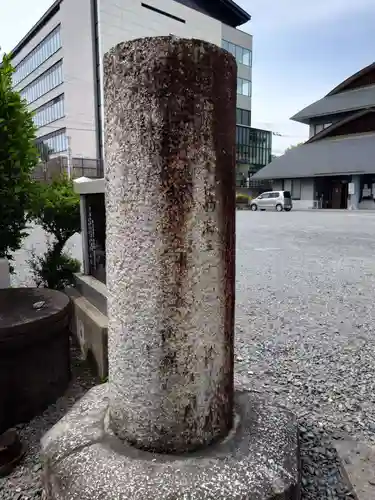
column 351, row 100
column 340, row 155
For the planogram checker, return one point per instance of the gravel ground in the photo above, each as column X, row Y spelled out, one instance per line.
column 304, row 336
column 304, row 316
column 24, row 483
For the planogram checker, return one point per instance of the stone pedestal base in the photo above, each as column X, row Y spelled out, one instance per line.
column 259, row 460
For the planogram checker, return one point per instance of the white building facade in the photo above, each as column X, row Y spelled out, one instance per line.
column 58, row 64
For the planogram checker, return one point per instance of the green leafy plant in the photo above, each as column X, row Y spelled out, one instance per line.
column 242, row 198
column 54, row 270
column 18, row 158
column 55, row 207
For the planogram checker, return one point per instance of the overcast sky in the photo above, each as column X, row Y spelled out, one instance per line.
column 302, row 49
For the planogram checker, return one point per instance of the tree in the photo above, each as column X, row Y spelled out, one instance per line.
column 55, row 207
column 18, row 158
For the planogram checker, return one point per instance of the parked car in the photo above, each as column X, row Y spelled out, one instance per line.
column 273, row 200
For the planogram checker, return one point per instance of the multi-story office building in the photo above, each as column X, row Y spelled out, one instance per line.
column 335, row 167
column 58, row 65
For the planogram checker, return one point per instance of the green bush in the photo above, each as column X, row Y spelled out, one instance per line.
column 242, row 198
column 55, row 207
column 54, row 270
column 18, row 158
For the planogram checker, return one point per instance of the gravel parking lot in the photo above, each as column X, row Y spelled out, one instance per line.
column 304, row 335
column 305, row 313
column 305, row 327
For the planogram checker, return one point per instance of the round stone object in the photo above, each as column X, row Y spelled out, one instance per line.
column 34, row 351
column 258, row 460
column 170, row 241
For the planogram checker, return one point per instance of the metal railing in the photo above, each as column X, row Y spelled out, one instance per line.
column 80, row 167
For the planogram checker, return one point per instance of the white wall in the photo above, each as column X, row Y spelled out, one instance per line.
column 307, row 192
column 79, row 76
column 122, row 20
column 307, row 195
column 277, row 185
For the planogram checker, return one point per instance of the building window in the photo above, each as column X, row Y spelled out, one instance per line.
column 43, row 84
column 45, row 49
column 243, row 117
column 243, row 87
column 322, row 126
column 49, row 112
column 56, row 141
column 254, row 146
column 242, row 55
column 296, row 189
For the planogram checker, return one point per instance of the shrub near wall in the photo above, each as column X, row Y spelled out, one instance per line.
column 242, row 201
column 55, row 207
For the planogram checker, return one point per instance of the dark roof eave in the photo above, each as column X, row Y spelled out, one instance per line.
column 42, row 21
column 308, row 119
column 353, row 154
column 302, row 119
column 325, row 132
column 241, row 15
column 343, row 85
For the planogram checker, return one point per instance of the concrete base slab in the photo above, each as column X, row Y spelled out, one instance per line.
column 358, row 463
column 259, row 460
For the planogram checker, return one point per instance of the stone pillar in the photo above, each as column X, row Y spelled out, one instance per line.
column 170, row 204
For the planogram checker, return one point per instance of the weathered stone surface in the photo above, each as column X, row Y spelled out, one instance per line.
column 257, row 461
column 358, row 463
column 170, row 171
column 81, row 427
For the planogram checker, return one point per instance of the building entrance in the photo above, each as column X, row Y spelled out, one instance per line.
column 332, row 192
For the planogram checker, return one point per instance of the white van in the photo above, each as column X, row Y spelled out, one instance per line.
column 273, row 200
